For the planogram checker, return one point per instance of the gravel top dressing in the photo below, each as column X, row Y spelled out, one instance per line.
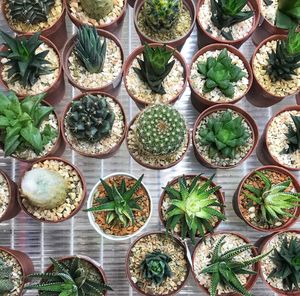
column 269, row 11
column 4, row 195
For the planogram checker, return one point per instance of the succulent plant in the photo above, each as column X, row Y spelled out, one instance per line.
column 97, row 9
column 120, row 202
column 220, row 72
column 224, row 268
column 90, row 118
column 193, row 207
column 160, row 130
column 69, row 278
column 293, row 136
column 288, row 13
column 155, row 67
column 90, row 49
column 273, row 200
column 223, row 134
column 26, row 65
column 6, row 283
column 155, row 267
column 162, row 15
column 20, row 123
column 287, row 264
column 30, row 11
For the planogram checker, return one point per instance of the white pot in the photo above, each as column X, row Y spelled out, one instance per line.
column 92, row 218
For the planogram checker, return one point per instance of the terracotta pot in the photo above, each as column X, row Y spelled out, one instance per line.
column 128, row 273
column 54, row 93
column 24, row 261
column 198, row 100
column 112, row 87
column 84, row 191
column 262, row 244
column 236, row 201
column 128, row 63
column 177, row 43
column 103, row 155
column 13, row 207
column 114, row 27
column 251, row 279
column 204, row 38
column 263, row 152
column 252, row 124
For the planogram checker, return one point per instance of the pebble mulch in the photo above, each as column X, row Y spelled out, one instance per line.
column 4, row 195
column 269, row 12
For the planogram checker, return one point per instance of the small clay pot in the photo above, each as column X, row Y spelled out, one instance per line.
column 113, row 87
column 177, row 43
column 198, row 100
column 205, row 38
column 236, row 201
column 250, row 121
column 115, row 27
column 13, row 207
column 262, row 244
column 24, row 261
column 103, row 155
column 57, row 33
column 128, row 63
column 128, row 273
column 84, row 190
column 55, row 92
column 251, row 279
column 263, row 152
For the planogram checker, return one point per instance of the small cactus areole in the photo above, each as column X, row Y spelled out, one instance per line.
column 97, row 9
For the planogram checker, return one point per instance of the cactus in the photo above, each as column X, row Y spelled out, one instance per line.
column 6, row 284
column 160, row 130
column 97, row 9
column 44, row 188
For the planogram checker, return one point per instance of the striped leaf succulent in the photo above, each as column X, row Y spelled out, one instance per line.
column 6, row 283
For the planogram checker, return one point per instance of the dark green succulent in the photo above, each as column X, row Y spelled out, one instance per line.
column 6, row 283
column 220, row 72
column 288, row 13
column 293, row 136
column 155, row 267
column 155, row 67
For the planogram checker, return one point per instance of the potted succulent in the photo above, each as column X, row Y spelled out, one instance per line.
column 276, row 69
column 93, row 60
column 29, row 129
column 280, row 268
column 191, row 206
column 226, row 21
column 157, row 264
column 267, row 199
column 170, row 21
column 52, row 190
column 280, row 141
column 224, row 136
column 71, row 275
column 31, row 16
column 30, row 65
column 154, row 74
column 119, row 206
column 94, row 125
column 157, row 137
column 225, row 263
column 218, row 74
column 15, row 266
column 9, row 207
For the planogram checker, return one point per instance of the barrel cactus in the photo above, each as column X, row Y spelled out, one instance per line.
column 97, row 9
column 6, row 284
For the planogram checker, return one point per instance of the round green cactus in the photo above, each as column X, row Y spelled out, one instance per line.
column 97, row 9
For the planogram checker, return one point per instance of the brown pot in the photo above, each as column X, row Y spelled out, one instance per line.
column 24, row 261
column 252, row 124
column 236, row 201
column 262, row 244
column 128, row 63
column 114, row 27
column 128, row 273
column 177, row 43
column 204, row 38
column 13, row 207
column 198, row 100
column 84, row 191
column 263, row 152
column 251, row 279
column 54, row 93
column 112, row 87
column 110, row 152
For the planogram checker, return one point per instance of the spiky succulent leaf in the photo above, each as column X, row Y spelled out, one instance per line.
column 293, row 136
column 97, row 9
column 6, row 283
column 288, row 13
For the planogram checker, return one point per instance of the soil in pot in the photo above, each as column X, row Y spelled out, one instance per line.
column 176, row 268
